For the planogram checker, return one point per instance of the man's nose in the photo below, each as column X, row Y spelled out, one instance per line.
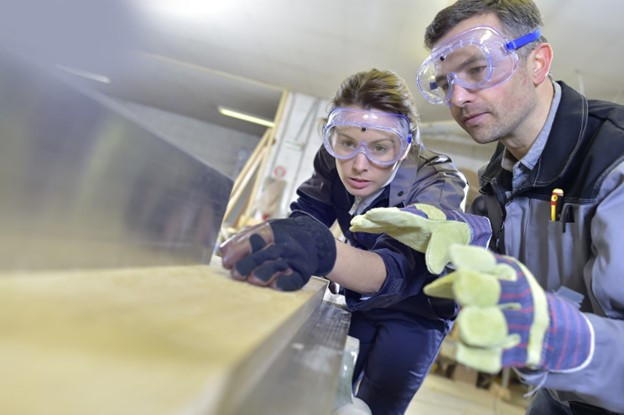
column 460, row 96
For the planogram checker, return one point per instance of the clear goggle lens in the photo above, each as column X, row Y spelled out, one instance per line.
column 476, row 59
column 383, row 138
column 383, row 148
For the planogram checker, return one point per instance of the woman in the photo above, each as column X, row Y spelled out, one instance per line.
column 372, row 157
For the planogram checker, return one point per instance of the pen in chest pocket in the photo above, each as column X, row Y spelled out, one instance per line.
column 556, row 202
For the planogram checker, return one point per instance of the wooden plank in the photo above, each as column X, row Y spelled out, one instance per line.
column 130, row 341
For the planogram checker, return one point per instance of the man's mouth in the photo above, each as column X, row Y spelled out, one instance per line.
column 473, row 119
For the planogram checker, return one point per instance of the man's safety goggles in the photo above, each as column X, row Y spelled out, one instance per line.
column 476, row 59
column 383, row 137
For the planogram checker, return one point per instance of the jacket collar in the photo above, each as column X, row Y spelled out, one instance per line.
column 405, row 177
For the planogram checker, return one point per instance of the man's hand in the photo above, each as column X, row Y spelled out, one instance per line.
column 426, row 229
column 282, row 253
column 507, row 319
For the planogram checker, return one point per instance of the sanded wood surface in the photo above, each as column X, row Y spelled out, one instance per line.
column 130, row 341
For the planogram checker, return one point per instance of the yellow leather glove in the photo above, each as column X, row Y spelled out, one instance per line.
column 427, row 229
column 506, row 318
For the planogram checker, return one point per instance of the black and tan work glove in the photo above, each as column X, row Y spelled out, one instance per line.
column 282, row 254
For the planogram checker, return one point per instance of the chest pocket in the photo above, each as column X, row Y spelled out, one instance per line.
column 563, row 251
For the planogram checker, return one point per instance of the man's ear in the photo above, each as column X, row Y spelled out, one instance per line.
column 539, row 62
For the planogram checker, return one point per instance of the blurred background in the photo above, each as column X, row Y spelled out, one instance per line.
column 182, row 66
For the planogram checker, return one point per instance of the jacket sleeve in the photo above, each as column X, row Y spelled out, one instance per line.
column 438, row 183
column 601, row 382
column 314, row 195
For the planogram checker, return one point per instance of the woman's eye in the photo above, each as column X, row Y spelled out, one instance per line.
column 380, row 149
column 347, row 144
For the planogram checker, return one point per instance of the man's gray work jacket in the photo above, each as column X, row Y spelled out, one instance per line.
column 582, row 250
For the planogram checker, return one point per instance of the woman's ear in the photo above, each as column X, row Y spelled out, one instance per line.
column 539, row 62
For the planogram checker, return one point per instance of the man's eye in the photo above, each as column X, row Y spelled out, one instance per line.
column 477, row 72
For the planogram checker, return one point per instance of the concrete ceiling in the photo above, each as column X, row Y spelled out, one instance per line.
column 192, row 56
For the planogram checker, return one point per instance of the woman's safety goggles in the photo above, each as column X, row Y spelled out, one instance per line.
column 383, row 137
column 476, row 59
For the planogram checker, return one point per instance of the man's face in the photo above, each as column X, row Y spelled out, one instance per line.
column 497, row 112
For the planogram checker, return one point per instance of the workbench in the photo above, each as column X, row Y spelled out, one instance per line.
column 165, row 340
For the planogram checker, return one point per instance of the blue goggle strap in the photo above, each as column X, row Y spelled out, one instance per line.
column 523, row 40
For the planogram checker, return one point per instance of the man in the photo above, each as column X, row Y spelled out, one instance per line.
column 490, row 65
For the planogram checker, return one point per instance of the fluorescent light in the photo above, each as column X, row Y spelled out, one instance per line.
column 246, row 117
column 84, row 74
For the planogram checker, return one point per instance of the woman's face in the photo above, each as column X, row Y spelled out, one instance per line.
column 360, row 176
